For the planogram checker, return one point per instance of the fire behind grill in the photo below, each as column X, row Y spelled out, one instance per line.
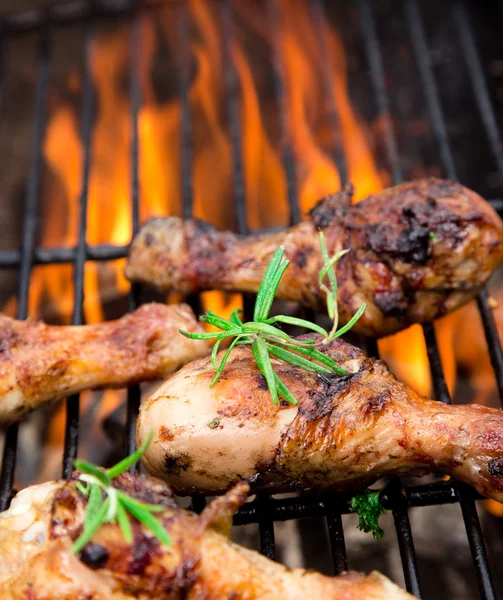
column 264, row 511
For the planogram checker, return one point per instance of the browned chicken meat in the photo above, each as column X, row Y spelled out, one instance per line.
column 38, row 531
column 346, row 432
column 41, row 362
column 418, row 251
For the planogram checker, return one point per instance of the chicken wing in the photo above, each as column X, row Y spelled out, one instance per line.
column 418, row 251
column 346, row 432
column 41, row 362
column 37, row 532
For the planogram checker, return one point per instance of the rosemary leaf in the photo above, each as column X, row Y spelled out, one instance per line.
column 124, row 523
column 129, row 461
column 94, row 524
column 261, row 355
column 321, row 357
column 297, row 322
column 214, row 353
column 265, row 286
column 269, row 299
column 90, row 469
column 235, row 317
column 284, row 392
column 265, row 329
column 213, row 319
column 329, row 266
column 330, row 304
column 124, row 498
column 326, row 262
column 351, row 322
column 209, row 335
column 220, row 368
column 93, row 505
column 147, row 518
column 296, row 360
column 112, row 507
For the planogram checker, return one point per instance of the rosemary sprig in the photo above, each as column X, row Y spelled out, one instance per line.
column 267, row 340
column 114, row 507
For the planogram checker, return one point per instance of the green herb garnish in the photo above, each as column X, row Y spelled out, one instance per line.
column 267, row 340
column 115, row 506
column 369, row 508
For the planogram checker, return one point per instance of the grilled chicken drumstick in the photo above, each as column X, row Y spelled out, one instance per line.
column 346, row 432
column 418, row 251
column 41, row 362
column 36, row 535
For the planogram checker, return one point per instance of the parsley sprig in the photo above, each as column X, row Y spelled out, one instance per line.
column 369, row 508
column 116, row 506
column 267, row 340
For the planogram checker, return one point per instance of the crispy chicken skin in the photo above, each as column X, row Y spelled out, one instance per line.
column 418, row 251
column 346, row 432
column 41, row 362
column 36, row 535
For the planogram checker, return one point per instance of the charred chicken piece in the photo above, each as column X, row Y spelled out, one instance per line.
column 418, row 251
column 41, row 362
column 346, row 432
column 37, row 533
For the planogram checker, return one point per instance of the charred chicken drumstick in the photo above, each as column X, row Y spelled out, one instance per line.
column 36, row 535
column 346, row 432
column 418, row 251
column 41, row 362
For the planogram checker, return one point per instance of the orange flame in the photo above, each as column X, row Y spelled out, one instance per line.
column 309, row 101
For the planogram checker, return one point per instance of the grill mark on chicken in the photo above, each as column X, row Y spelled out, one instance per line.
column 41, row 362
column 201, row 562
column 176, row 463
column 495, row 466
column 418, row 251
column 346, row 432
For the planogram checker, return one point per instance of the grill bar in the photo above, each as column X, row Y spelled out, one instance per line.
column 481, row 94
column 284, row 509
column 423, row 60
column 10, row 259
column 437, row 373
column 185, row 121
column 133, row 393
column 72, row 12
column 72, row 403
column 234, row 117
column 373, row 52
column 404, row 537
column 479, row 83
column 336, row 536
column 377, row 77
column 477, row 545
column 493, row 341
column 28, row 241
column 287, row 153
column 319, row 19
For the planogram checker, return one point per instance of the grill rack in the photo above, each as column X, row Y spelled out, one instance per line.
column 263, row 510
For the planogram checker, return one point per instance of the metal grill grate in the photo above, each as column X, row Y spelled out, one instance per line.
column 263, row 510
